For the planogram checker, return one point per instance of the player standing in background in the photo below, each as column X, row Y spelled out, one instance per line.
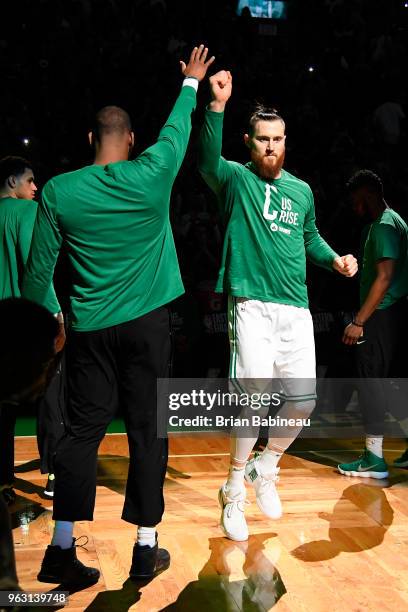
column 17, row 216
column 270, row 229
column 379, row 329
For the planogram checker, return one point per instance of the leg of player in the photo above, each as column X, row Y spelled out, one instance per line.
column 251, row 367
column 295, row 370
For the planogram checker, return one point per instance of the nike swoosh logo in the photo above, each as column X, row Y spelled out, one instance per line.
column 370, row 467
column 361, row 341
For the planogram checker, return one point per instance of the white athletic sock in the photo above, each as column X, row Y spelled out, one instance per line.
column 269, row 460
column 235, row 483
column 62, row 537
column 241, row 448
column 240, row 451
column 288, row 434
column 374, row 445
column 146, row 536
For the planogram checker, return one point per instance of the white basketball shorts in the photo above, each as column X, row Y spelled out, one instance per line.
column 270, row 341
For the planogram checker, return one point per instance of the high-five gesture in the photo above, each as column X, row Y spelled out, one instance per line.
column 221, row 89
column 197, row 66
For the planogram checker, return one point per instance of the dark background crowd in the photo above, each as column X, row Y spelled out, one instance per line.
column 335, row 69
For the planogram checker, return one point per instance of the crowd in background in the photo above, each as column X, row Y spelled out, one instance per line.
column 335, row 69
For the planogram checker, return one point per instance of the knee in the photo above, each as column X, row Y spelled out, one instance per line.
column 306, row 408
column 303, row 409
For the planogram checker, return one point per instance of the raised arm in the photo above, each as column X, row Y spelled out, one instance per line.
column 169, row 151
column 214, row 169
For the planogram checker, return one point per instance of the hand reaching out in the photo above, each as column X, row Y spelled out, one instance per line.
column 197, row 66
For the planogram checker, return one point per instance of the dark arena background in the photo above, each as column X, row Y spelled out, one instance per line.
column 336, row 70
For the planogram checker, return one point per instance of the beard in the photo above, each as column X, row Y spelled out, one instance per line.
column 268, row 166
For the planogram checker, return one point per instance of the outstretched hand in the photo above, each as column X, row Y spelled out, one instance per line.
column 346, row 265
column 198, row 64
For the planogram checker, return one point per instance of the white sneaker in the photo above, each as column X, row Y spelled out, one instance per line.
column 267, row 496
column 233, row 521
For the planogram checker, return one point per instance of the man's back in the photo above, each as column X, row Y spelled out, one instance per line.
column 17, row 218
column 114, row 220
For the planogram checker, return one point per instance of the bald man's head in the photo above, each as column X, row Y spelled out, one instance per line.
column 111, row 121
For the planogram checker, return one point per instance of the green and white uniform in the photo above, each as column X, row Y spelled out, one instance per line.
column 117, row 234
column 270, row 230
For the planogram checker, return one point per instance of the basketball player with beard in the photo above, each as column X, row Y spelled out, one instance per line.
column 270, row 230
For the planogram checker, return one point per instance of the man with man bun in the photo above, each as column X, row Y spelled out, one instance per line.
column 270, row 230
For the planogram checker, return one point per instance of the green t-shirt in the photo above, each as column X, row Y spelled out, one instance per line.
column 114, row 221
column 385, row 238
column 270, row 226
column 17, row 219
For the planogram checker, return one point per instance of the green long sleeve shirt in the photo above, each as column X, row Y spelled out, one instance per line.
column 17, row 218
column 114, row 221
column 270, row 226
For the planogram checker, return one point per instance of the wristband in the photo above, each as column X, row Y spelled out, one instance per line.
column 191, row 82
column 354, row 322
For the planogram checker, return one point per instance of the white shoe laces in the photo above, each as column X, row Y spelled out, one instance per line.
column 232, row 505
column 267, row 482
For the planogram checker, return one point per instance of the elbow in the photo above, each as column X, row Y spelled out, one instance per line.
column 385, row 280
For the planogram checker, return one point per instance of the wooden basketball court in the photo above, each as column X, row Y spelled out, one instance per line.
column 342, row 544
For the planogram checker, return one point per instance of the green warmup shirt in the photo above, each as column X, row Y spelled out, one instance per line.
column 270, row 226
column 385, row 238
column 114, row 221
column 17, row 219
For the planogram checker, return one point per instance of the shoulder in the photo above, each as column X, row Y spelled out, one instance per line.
column 391, row 218
column 388, row 226
column 296, row 181
column 23, row 212
column 61, row 183
column 21, row 207
column 237, row 166
column 69, row 177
